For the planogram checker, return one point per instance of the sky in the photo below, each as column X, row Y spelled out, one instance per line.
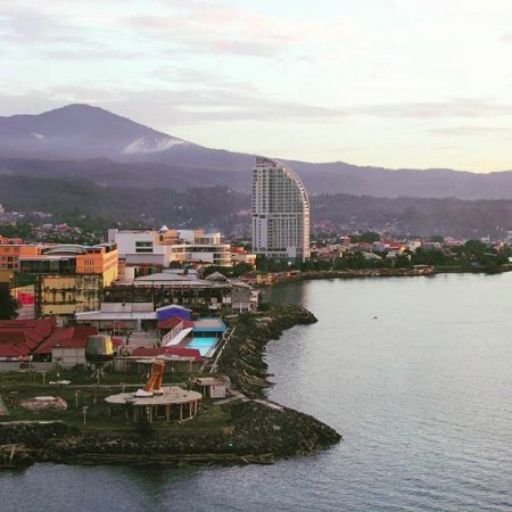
column 394, row 83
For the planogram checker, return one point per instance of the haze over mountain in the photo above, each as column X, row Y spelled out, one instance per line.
column 92, row 143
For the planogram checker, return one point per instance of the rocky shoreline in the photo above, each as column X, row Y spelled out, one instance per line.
column 280, row 278
column 258, row 431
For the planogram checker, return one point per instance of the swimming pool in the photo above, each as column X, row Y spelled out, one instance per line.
column 204, row 345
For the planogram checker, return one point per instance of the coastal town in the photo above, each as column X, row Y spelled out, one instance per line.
column 255, row 256
column 164, row 329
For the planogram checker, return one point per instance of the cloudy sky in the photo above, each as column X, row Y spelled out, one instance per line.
column 398, row 83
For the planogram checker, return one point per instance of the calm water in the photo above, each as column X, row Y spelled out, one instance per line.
column 415, row 373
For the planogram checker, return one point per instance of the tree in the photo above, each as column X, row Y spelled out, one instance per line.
column 367, row 237
column 241, row 268
column 8, row 305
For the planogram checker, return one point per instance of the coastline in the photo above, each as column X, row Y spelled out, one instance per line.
column 279, row 278
column 258, row 431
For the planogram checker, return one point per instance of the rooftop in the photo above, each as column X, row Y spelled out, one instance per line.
column 209, row 325
column 171, row 395
column 71, row 337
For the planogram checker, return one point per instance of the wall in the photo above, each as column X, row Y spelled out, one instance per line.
column 10, row 255
column 99, row 261
column 66, row 295
column 68, row 357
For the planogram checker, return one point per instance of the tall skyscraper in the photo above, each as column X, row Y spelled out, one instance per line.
column 280, row 212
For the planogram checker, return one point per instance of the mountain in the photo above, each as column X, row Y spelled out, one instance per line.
column 111, row 173
column 90, row 142
column 82, row 131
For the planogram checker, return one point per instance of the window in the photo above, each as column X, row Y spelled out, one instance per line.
column 143, row 247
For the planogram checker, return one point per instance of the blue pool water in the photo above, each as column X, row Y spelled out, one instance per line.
column 204, row 345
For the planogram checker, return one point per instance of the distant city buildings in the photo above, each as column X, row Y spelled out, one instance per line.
column 280, row 212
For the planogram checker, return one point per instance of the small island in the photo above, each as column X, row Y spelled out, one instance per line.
column 243, row 427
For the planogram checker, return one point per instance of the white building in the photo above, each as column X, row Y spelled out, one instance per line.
column 280, row 212
column 141, row 247
column 151, row 247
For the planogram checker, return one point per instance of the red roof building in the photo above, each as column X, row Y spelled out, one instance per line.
column 170, row 323
column 27, row 338
column 70, row 337
column 20, row 338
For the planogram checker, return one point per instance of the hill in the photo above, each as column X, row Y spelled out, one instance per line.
column 222, row 208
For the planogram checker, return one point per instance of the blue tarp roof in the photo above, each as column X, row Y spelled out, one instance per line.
column 173, row 310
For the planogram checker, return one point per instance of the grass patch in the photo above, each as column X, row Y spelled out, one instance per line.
column 83, row 391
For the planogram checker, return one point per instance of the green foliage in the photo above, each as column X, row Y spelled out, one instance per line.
column 473, row 254
column 83, row 203
column 21, row 230
column 314, row 265
column 8, row 305
column 366, row 237
column 402, row 261
column 241, row 268
column 264, row 264
column 435, row 257
column 236, row 271
column 144, row 427
column 357, row 261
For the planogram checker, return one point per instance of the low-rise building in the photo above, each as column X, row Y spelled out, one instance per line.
column 66, row 346
column 20, row 338
column 68, row 278
column 174, row 286
column 11, row 250
column 166, row 246
column 120, row 317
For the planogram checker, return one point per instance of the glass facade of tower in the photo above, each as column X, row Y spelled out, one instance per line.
column 280, row 212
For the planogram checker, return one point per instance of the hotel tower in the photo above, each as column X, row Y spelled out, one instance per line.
column 280, row 212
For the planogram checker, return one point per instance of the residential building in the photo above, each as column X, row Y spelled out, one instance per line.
column 280, row 212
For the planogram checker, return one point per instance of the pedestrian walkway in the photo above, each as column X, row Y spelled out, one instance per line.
column 235, row 395
column 270, row 405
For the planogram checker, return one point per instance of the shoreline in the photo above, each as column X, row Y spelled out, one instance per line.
column 427, row 271
column 258, row 430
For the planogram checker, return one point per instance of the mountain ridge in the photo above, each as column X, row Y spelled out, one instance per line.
column 82, row 134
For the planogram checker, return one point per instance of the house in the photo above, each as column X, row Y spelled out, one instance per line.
column 20, row 338
column 66, row 346
column 118, row 316
column 211, row 387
